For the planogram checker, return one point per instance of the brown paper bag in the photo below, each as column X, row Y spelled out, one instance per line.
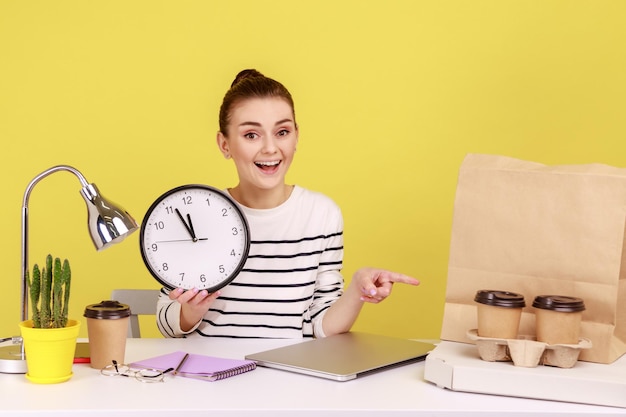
column 534, row 230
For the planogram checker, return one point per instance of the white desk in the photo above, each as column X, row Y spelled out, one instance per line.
column 263, row 392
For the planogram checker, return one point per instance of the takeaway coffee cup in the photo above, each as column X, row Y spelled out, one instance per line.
column 107, row 327
column 557, row 318
column 499, row 313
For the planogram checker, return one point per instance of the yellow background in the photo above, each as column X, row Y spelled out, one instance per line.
column 390, row 96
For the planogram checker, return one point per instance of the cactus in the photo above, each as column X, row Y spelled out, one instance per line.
column 57, row 292
column 66, row 276
column 35, row 291
column 50, row 293
column 46, row 293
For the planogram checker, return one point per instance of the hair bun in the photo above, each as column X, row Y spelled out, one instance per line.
column 247, row 73
column 251, row 84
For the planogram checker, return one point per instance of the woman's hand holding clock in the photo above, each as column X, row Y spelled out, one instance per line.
column 194, row 304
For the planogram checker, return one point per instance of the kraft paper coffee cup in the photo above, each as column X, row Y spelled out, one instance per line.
column 557, row 318
column 107, row 327
column 499, row 313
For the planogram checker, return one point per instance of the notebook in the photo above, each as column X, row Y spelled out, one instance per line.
column 344, row 356
column 207, row 368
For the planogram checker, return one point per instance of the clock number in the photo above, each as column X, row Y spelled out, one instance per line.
column 202, row 278
column 154, row 247
column 208, row 202
column 169, row 210
column 187, row 200
column 221, row 268
column 232, row 253
column 235, row 231
column 165, row 267
column 159, row 225
column 224, row 212
column 182, row 275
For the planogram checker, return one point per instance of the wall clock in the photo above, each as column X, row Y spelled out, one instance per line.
column 194, row 236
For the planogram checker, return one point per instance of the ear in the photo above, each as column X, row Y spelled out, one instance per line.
column 222, row 144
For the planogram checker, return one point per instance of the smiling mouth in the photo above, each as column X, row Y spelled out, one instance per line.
column 267, row 165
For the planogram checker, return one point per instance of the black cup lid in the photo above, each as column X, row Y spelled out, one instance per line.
column 559, row 303
column 108, row 309
column 500, row 298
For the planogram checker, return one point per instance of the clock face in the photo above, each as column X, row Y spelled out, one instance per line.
column 194, row 236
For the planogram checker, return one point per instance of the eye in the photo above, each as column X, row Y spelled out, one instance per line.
column 283, row 132
column 250, row 135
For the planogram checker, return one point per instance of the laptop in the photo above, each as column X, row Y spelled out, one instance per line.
column 344, row 356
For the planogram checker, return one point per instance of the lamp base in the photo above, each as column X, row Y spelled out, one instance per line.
column 12, row 360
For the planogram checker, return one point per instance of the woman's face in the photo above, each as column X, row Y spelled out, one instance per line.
column 262, row 138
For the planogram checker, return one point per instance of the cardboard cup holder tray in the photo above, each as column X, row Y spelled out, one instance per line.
column 526, row 351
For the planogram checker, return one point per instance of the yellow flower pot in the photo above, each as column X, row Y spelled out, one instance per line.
column 49, row 352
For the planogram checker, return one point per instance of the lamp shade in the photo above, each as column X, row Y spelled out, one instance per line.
column 108, row 223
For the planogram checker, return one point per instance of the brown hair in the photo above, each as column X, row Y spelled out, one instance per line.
column 250, row 83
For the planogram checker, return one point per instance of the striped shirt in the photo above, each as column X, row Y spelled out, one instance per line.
column 292, row 275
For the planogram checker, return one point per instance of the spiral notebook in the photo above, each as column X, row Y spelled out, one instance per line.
column 207, row 368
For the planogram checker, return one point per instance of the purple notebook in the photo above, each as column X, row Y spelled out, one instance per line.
column 208, row 368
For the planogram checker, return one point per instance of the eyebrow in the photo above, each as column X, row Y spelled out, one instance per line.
column 257, row 124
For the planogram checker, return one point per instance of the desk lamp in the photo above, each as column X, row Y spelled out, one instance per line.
column 108, row 224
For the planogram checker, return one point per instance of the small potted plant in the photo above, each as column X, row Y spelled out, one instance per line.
column 50, row 337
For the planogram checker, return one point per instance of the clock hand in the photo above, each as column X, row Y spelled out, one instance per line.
column 189, row 229
column 193, row 232
column 180, row 240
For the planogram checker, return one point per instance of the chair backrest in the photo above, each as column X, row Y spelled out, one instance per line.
column 140, row 302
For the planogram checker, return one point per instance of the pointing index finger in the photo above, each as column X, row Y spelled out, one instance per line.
column 398, row 277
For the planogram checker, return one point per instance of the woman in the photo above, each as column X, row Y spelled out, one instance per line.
column 291, row 285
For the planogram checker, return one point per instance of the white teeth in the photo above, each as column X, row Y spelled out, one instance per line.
column 268, row 163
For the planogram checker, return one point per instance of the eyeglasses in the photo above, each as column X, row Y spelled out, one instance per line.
column 143, row 375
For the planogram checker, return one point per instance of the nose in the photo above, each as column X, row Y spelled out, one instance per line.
column 269, row 144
